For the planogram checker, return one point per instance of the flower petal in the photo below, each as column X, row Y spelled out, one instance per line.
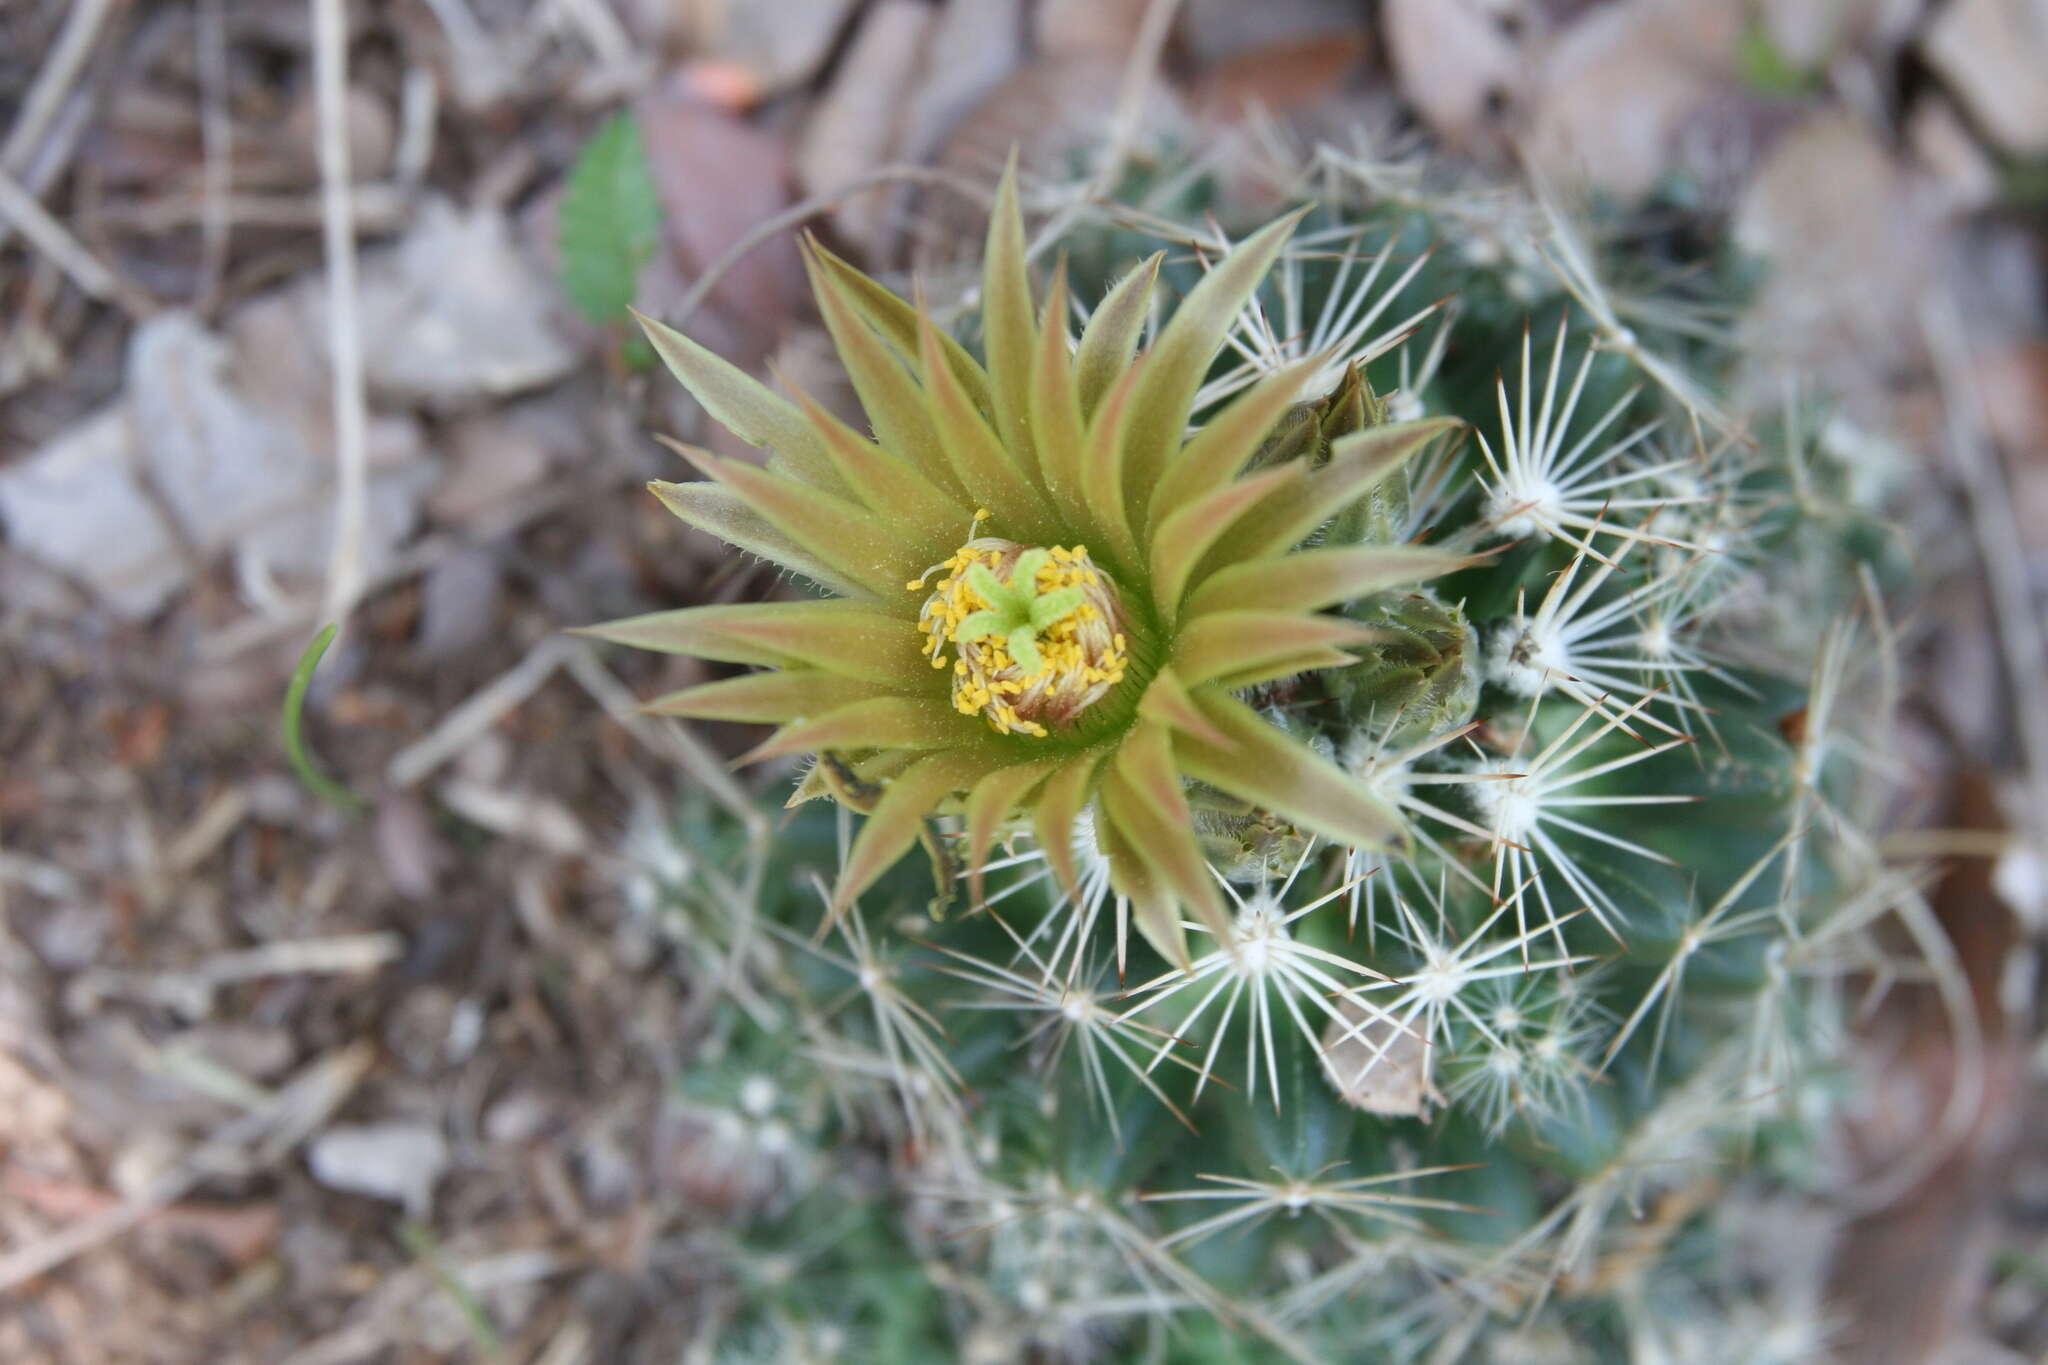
column 891, row 485
column 1154, row 907
column 1227, row 441
column 1229, row 643
column 840, row 532
column 1357, row 462
column 896, row 320
column 1182, row 539
column 714, row 508
column 1309, row 580
column 1055, row 404
column 989, row 472
column 837, row 637
column 893, row 722
column 740, row 403
column 1166, row 702
column 771, row 698
column 1180, row 355
column 906, row 802
column 991, row 802
column 1111, row 337
column 1008, row 333
column 1056, row 808
column 1269, row 769
column 1150, row 805
column 889, row 395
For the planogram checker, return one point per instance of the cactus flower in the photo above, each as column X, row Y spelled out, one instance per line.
column 1047, row 588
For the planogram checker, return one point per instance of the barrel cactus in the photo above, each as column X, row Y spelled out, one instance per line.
column 1393, row 614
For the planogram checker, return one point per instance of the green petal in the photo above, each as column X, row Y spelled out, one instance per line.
column 1111, row 337
column 740, row 403
column 1008, row 333
column 841, row 533
column 1154, row 814
column 931, row 515
column 990, row 803
column 1357, row 462
column 1309, row 580
column 896, row 320
column 877, row 723
column 1166, row 702
column 837, row 637
column 1306, row 662
column 1102, row 482
column 1181, row 540
column 1233, row 643
column 987, row 470
column 765, row 698
column 1283, row 775
column 1155, row 909
column 890, row 397
column 911, row 797
column 1226, row 441
column 718, row 510
column 1179, row 358
column 1055, row 809
column 1055, row 403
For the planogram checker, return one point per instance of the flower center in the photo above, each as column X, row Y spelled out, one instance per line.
column 1036, row 632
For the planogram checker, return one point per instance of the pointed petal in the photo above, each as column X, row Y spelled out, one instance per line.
column 910, row 798
column 1056, row 808
column 878, row 723
column 1280, row 774
column 765, row 698
column 1166, row 702
column 1181, row 355
column 1357, row 462
column 1111, row 336
column 1008, row 333
column 838, row 637
column 841, row 533
column 896, row 320
column 1309, row 580
column 890, row 397
column 1226, row 441
column 716, row 509
column 740, row 403
column 990, row 803
column 1102, row 472
column 989, row 472
column 1232, row 643
column 1180, row 541
column 1154, row 909
column 1150, row 804
column 1055, row 404
column 890, row 484
column 1307, row 662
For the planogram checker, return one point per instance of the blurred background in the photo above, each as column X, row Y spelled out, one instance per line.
column 315, row 312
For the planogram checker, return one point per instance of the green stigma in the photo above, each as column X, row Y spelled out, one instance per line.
column 1017, row 610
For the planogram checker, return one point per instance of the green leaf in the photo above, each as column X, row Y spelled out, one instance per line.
column 316, row 781
column 609, row 224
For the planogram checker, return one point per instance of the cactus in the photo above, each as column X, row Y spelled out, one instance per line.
column 1467, row 708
